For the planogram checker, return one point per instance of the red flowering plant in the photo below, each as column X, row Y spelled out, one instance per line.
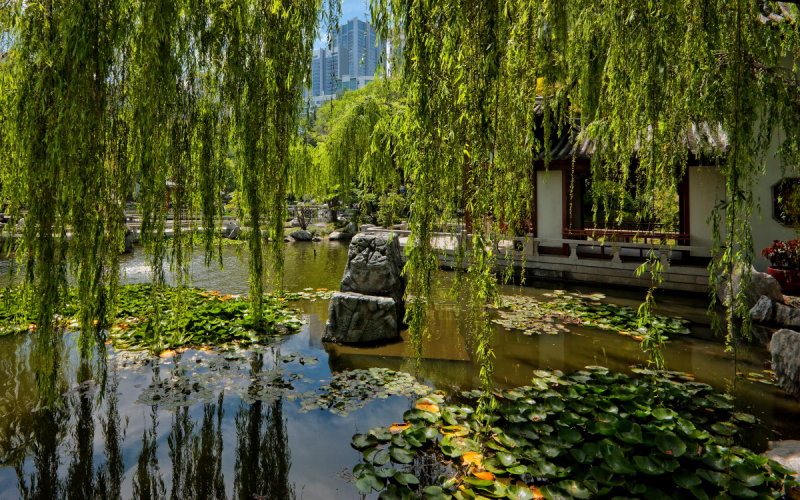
column 783, row 254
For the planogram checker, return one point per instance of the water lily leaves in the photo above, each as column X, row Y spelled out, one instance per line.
column 397, row 428
column 670, row 444
column 634, row 437
column 485, row 475
column 454, row 430
column 630, row 432
column 427, row 405
column 472, row 458
column 454, row 446
column 435, row 493
column 352, row 389
column 648, row 465
column 401, row 455
column 713, row 477
column 406, row 479
column 507, row 459
column 369, row 482
column 744, row 417
column 719, row 401
column 477, row 481
column 573, row 489
column 605, row 476
column 686, row 479
column 724, row 428
column 376, row 455
column 386, row 472
column 533, row 316
column 516, row 492
column 618, row 464
column 400, row 441
column 381, row 434
column 663, row 414
column 363, row 441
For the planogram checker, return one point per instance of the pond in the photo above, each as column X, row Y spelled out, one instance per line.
column 274, row 422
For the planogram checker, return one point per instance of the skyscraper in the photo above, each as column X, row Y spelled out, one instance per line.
column 324, row 72
column 350, row 65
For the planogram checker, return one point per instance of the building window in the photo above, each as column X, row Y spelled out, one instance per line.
column 786, row 201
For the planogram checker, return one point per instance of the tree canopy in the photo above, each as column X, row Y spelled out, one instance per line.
column 100, row 95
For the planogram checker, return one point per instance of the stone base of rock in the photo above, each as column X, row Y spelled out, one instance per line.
column 354, row 318
column 785, row 350
column 374, row 267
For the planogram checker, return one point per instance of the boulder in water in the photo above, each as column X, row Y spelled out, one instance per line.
column 301, row 235
column 785, row 350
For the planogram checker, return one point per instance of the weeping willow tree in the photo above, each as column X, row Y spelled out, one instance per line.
column 357, row 140
column 101, row 100
column 100, row 96
column 489, row 83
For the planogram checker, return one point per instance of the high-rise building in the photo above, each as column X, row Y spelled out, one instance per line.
column 324, row 72
column 350, row 65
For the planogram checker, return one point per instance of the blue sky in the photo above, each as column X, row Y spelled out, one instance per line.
column 350, row 9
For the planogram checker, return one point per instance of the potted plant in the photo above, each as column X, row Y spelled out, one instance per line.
column 784, row 257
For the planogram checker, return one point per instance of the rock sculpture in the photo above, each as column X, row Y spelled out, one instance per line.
column 785, row 350
column 369, row 307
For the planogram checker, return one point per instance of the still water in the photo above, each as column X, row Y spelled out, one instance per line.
column 239, row 424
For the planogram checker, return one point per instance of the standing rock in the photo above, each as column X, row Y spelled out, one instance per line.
column 786, row 453
column 351, row 228
column 374, row 267
column 785, row 350
column 760, row 284
column 369, row 308
column 786, row 315
column 354, row 318
column 301, row 235
column 130, row 239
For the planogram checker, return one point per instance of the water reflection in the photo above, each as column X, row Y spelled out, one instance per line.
column 147, row 481
column 103, row 439
column 43, row 450
column 197, row 456
column 262, row 451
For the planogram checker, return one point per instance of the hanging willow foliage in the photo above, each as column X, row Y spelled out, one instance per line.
column 490, row 82
column 100, row 96
column 103, row 100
